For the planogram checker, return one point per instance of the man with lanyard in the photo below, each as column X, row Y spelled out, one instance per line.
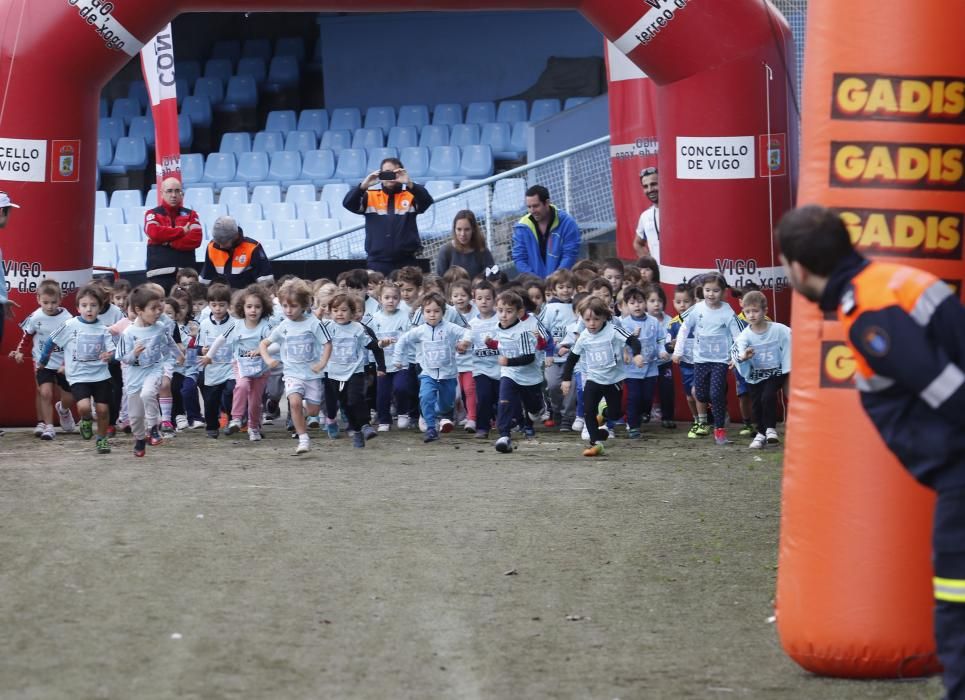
column 647, row 240
column 234, row 258
column 547, row 238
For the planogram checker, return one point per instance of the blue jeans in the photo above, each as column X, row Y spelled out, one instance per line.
column 436, row 396
column 639, row 398
column 393, row 384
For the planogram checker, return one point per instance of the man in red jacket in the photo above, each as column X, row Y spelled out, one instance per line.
column 173, row 234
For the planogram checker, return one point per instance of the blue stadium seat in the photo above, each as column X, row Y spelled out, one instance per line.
column 126, row 198
column 227, row 48
column 367, row 138
column 198, row 109
column 312, row 211
column 105, row 151
column 100, row 199
column 109, row 216
column 475, row 199
column 131, row 256
column 439, row 187
column 290, row 46
column 212, row 88
column 416, row 161
column 346, row 118
column 380, row 118
column 544, row 109
column 257, row 48
column 322, row 227
column 187, row 70
column 511, row 111
column 290, row 228
column 137, row 90
column 183, row 88
column 108, row 128
column 287, row 243
column 222, row 68
column 283, row 120
column 100, row 233
column 207, row 213
column 413, row 115
column 434, row 135
column 235, row 142
column 300, row 141
column 125, row 109
column 318, row 167
column 351, row 165
column 105, row 254
column 260, row 230
column 142, row 128
column 480, row 112
column 268, row 141
column 347, row 218
column 285, row 165
column 253, row 67
column 270, row 246
column 519, row 141
column 103, row 109
column 249, row 211
column 334, row 193
column 377, row 155
column 150, row 199
column 477, row 161
column 135, row 215
column 121, row 234
column 266, row 194
column 300, row 193
column 233, row 194
column 130, row 154
column 497, row 135
column 445, row 215
column 464, row 135
column 192, row 168
column 283, row 71
column 196, row 197
column 242, row 92
column 279, row 211
column 447, row 113
column 403, row 137
column 572, row 102
column 336, row 140
column 185, row 132
column 252, row 167
column 313, row 120
column 509, row 197
column 444, row 162
column 219, row 168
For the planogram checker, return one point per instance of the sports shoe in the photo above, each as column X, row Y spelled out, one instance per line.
column 67, row 422
column 304, row 445
column 594, row 450
column 758, row 442
column 368, row 433
column 111, row 431
column 577, row 425
column 482, row 434
column 267, row 420
column 181, row 423
column 223, row 420
column 633, row 433
column 40, row 428
column 504, row 445
column 549, row 423
column 692, row 433
column 384, row 427
column 529, row 431
column 123, row 425
column 703, row 430
column 103, row 447
column 167, row 428
column 445, row 426
column 422, row 424
column 747, row 429
column 86, row 428
column 656, row 413
column 585, row 433
column 535, row 416
column 196, row 424
column 332, row 430
column 254, row 435
column 234, row 426
column 212, row 434
column 313, row 422
column 470, row 426
column 720, row 436
column 271, row 408
column 154, row 437
column 431, row 435
column 670, row 425
column 358, row 440
column 402, row 422
column 771, row 435
column 139, row 448
column 48, row 433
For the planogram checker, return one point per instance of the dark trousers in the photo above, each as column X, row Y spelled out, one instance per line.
column 764, row 402
column 117, row 391
column 949, row 563
column 412, row 386
column 351, row 394
column 639, row 399
column 487, row 393
column 166, row 281
column 177, row 403
column 592, row 393
column 387, row 268
column 512, row 397
column 393, row 384
column 217, row 398
column 189, row 397
column 666, row 390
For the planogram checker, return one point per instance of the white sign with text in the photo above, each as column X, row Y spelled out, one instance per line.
column 23, row 160
column 715, row 158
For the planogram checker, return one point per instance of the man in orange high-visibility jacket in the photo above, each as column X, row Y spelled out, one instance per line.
column 907, row 330
column 233, row 258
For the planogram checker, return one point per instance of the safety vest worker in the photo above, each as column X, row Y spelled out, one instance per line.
column 233, row 258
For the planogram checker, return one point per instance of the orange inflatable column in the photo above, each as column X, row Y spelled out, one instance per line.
column 884, row 108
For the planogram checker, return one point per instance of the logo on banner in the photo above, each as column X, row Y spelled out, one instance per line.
column 170, row 166
column 837, row 365
column 938, row 99
column 773, row 157
column 906, row 233
column 905, row 166
column 715, row 157
column 63, row 160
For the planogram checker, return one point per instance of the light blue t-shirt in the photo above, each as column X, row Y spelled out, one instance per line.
column 40, row 326
column 602, row 353
column 388, row 326
column 302, row 343
column 349, row 351
column 514, row 341
column 435, row 348
column 714, row 332
column 159, row 348
column 83, row 343
column 485, row 360
column 772, row 352
column 651, row 339
column 244, row 340
column 218, row 371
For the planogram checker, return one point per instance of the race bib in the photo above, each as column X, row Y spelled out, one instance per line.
column 88, row 347
column 479, row 347
column 190, row 357
column 151, row 354
column 766, row 356
column 598, row 356
column 647, row 347
column 509, row 347
column 300, row 348
column 251, row 366
column 437, row 354
column 343, row 351
column 713, row 347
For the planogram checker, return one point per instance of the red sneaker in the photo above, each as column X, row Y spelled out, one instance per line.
column 111, row 431
column 549, row 423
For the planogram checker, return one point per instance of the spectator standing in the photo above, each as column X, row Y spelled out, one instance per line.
column 647, row 240
column 5, row 206
column 467, row 249
column 173, row 234
column 234, row 258
column 547, row 238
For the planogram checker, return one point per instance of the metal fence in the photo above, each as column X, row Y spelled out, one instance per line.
column 578, row 179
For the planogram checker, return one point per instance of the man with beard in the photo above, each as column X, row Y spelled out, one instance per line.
column 647, row 240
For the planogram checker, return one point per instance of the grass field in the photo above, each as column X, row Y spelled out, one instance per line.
column 225, row 569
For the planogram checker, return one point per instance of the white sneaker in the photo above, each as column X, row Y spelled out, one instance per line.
column 254, row 435
column 545, row 416
column 577, row 425
column 196, row 424
column 423, row 426
column 470, row 426
column 48, row 433
column 384, row 427
column 402, row 422
column 445, row 425
column 39, row 429
column 67, row 423
column 234, row 426
column 303, row 445
column 584, row 433
column 312, row 422
column 534, row 416
column 771, row 435
column 758, row 442
column 181, row 422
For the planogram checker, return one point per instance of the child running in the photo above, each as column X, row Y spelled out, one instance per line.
column 252, row 310
column 389, row 323
column 485, row 360
column 216, row 381
column 683, row 299
column 641, row 380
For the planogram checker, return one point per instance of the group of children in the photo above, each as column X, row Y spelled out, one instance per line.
column 583, row 350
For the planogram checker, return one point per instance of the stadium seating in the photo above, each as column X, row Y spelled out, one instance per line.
column 233, row 194
column 198, row 196
column 572, row 102
column 137, row 90
column 312, row 211
column 498, row 136
column 268, row 141
column 112, row 129
column 318, row 167
column 125, row 109
column 377, row 155
column 322, row 227
column 246, row 211
column 131, row 256
column 380, row 118
column 192, row 168
column 367, row 138
column 444, row 162
column 261, row 230
column 291, row 46
column 299, row 140
column 439, row 187
column 447, row 113
column 480, row 112
column 416, row 161
column 257, row 48
column 543, row 109
column 475, row 199
column 279, row 211
column 241, row 93
column 283, row 71
column 135, row 215
column 282, row 120
column 105, row 151
column 235, row 142
column 229, row 49
column 348, row 118
column 254, row 68
column 464, row 135
column 509, row 196
column 290, row 228
column 212, row 88
column 413, row 115
column 313, row 120
column 336, row 140
column 266, row 194
column 122, row 234
column 299, row 193
column 511, row 111
column 104, row 216
column 100, row 199
column 270, row 246
column 252, row 167
column 334, row 193
column 221, row 68
column 142, row 128
column 130, row 154
column 403, row 137
column 198, row 109
column 434, row 135
column 477, row 161
column 285, row 166
column 219, row 168
column 518, row 142
column 351, row 165
column 105, row 253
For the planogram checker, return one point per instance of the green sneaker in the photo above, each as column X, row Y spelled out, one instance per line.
column 86, row 428
column 703, row 430
column 748, row 429
column 692, row 433
column 103, row 447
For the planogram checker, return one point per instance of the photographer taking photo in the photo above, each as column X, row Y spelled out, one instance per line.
column 391, row 233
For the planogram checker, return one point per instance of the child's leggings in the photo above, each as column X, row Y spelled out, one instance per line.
column 468, row 387
column 592, row 393
column 710, row 386
column 249, row 390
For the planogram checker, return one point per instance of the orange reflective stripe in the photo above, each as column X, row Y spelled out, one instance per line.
column 377, row 202
column 240, row 257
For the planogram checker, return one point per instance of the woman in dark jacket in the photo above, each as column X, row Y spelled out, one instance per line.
column 467, row 248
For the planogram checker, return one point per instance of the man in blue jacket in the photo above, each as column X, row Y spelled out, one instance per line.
column 547, row 238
